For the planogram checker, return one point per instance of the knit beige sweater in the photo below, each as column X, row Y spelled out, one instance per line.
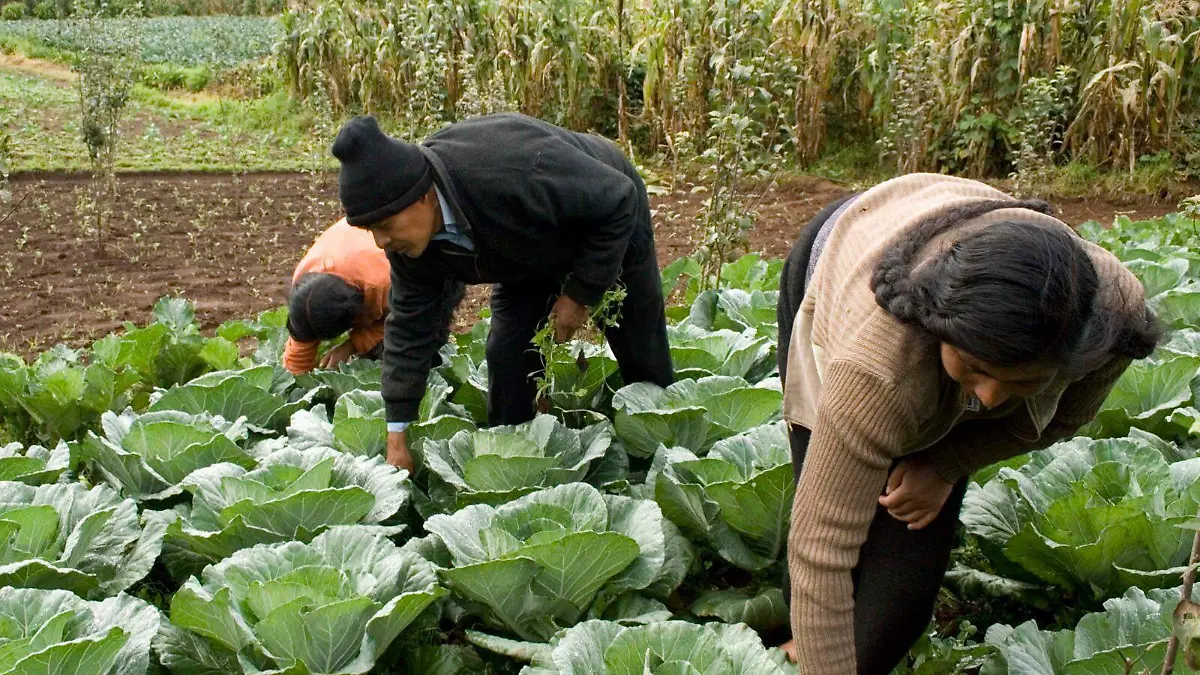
column 872, row 389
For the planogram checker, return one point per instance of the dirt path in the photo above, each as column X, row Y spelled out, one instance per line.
column 229, row 244
column 46, row 69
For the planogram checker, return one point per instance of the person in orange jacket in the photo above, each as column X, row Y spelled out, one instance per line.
column 340, row 285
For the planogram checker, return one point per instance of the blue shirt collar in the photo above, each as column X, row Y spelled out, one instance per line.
column 447, row 215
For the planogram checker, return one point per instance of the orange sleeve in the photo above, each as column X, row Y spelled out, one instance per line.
column 375, row 300
column 364, row 338
column 368, row 330
column 300, row 357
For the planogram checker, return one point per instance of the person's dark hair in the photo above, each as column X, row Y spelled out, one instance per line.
column 1011, row 293
column 321, row 307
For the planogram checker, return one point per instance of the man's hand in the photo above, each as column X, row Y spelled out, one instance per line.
column 567, row 316
column 397, row 451
column 915, row 493
column 338, row 355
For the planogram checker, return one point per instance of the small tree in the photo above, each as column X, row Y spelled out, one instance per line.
column 739, row 148
column 1038, row 129
column 104, row 63
column 725, row 218
column 5, row 158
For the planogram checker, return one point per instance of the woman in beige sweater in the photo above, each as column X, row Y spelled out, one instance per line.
column 928, row 327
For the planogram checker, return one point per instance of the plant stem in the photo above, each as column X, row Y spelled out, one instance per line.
column 1189, row 579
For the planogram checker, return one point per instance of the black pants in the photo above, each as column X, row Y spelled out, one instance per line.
column 518, row 309
column 899, row 570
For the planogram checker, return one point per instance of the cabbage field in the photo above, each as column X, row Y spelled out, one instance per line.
column 176, row 502
column 215, row 41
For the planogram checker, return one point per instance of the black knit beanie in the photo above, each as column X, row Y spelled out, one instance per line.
column 380, row 175
column 321, row 307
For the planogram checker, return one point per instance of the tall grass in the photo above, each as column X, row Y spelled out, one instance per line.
column 937, row 84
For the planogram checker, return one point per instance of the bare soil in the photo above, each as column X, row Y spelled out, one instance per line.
column 229, row 243
column 47, row 69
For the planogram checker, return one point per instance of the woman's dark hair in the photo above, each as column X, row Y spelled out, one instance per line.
column 1011, row 293
column 321, row 307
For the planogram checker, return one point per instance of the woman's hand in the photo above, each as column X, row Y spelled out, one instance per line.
column 915, row 493
column 337, row 356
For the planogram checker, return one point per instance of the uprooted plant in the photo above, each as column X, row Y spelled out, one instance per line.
column 606, row 314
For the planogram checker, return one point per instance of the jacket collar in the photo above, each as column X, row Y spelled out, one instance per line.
column 442, row 177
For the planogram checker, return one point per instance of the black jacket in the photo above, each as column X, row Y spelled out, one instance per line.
column 538, row 202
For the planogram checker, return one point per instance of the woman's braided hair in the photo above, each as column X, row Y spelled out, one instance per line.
column 1011, row 293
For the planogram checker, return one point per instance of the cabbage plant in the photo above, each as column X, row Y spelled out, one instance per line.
column 497, row 465
column 580, row 378
column 692, row 414
column 660, row 648
column 464, row 369
column 65, row 536
column 58, row 632
column 293, row 494
column 168, row 351
column 438, row 418
column 1091, row 516
column 34, row 465
column 736, row 309
column 357, row 375
column 738, row 498
column 359, row 425
column 1129, row 636
column 59, row 394
column 329, row 607
column 259, row 394
column 1157, row 396
column 150, row 456
column 541, row 562
column 1172, row 287
column 697, row 353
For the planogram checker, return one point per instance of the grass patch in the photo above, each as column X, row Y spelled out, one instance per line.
column 32, row 48
column 853, row 164
column 163, row 132
column 170, row 76
column 1152, row 174
column 858, row 166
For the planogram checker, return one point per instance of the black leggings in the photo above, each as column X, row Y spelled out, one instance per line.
column 899, row 570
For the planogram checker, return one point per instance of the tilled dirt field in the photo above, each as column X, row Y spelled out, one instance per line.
column 229, row 244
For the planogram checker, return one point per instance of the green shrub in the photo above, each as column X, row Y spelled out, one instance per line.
column 13, row 11
column 250, row 80
column 163, row 75
column 44, row 10
column 196, row 78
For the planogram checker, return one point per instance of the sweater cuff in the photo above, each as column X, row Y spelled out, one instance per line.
column 363, row 340
column 948, row 467
column 969, row 449
column 582, row 292
column 300, row 357
column 405, row 412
